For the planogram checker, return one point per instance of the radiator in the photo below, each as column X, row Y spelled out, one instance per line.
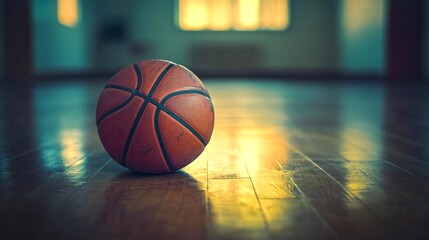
column 225, row 57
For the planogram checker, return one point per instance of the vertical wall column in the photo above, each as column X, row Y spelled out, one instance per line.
column 426, row 41
column 405, row 35
column 17, row 40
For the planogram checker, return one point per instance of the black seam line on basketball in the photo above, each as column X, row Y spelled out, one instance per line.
column 161, row 141
column 139, row 76
column 160, row 77
column 163, row 108
column 113, row 110
column 185, row 124
column 122, row 88
column 145, row 97
column 117, row 108
column 165, row 99
column 140, row 113
column 166, row 110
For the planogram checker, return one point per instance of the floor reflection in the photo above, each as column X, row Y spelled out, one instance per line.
column 72, row 154
column 63, row 119
column 327, row 141
column 286, row 160
column 139, row 206
column 362, row 118
column 361, row 140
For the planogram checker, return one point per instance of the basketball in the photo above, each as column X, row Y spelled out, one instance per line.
column 154, row 117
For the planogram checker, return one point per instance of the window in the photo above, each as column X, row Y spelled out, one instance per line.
column 241, row 15
column 68, row 14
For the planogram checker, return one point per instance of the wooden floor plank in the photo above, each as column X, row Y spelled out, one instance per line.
column 294, row 219
column 287, row 160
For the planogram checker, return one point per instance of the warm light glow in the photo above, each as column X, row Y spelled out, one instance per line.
column 350, row 138
column 275, row 14
column 361, row 14
column 252, row 153
column 257, row 147
column 247, row 15
column 72, row 153
column 193, row 14
column 361, row 139
column 244, row 147
column 356, row 145
column 220, row 15
column 71, row 142
column 68, row 14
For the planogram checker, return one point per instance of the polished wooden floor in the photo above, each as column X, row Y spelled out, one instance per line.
column 287, row 160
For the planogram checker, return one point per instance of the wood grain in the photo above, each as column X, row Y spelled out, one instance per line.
column 287, row 160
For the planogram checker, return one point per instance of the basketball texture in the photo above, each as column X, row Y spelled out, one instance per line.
column 154, row 117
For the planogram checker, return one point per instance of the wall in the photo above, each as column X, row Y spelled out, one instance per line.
column 426, row 42
column 310, row 42
column 2, row 52
column 362, row 36
column 56, row 47
column 114, row 33
column 111, row 39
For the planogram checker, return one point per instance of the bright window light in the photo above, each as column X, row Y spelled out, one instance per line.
column 241, row 15
column 247, row 15
column 68, row 14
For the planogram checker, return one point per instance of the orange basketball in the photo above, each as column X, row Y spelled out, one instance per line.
column 154, row 117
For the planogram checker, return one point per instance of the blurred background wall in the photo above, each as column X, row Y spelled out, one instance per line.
column 2, row 53
column 57, row 47
column 362, row 31
column 309, row 43
column 426, row 41
column 333, row 37
column 115, row 33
